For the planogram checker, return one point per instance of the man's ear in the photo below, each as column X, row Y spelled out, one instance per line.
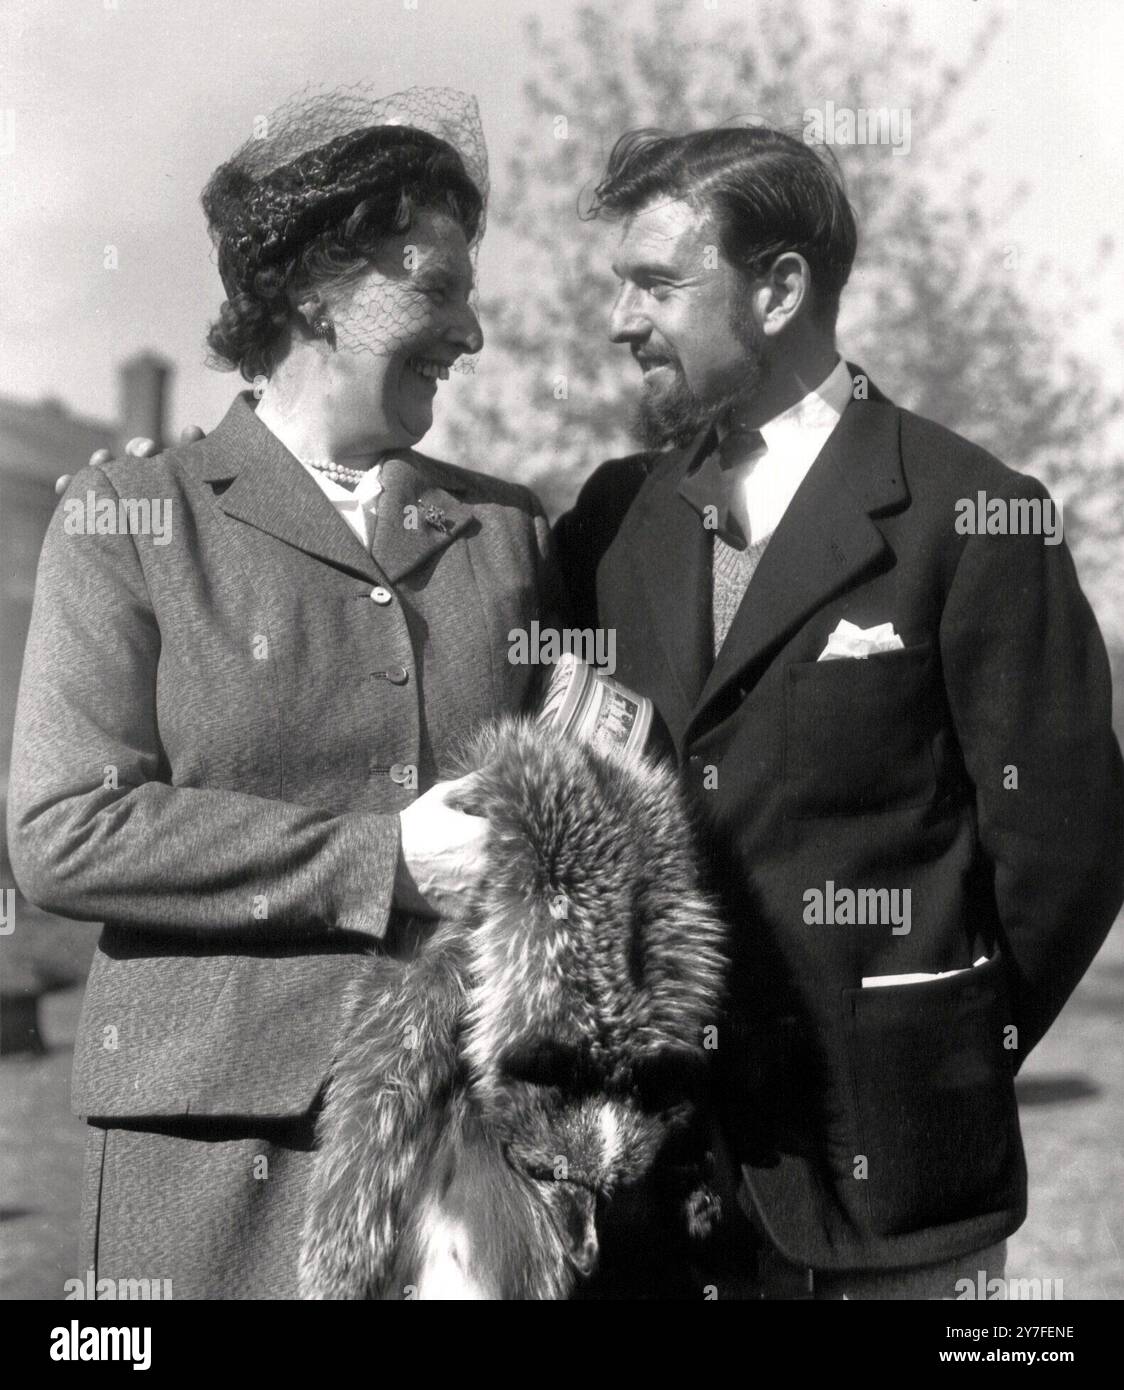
column 786, row 291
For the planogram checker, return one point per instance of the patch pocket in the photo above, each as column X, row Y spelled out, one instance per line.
column 859, row 733
column 935, row 1099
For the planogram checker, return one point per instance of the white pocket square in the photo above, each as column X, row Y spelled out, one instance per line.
column 850, row 641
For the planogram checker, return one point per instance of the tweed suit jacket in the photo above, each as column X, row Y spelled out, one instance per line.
column 975, row 768
column 215, row 736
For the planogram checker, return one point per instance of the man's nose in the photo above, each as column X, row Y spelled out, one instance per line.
column 626, row 322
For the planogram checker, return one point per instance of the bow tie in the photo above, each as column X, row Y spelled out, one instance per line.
column 737, row 445
column 707, row 484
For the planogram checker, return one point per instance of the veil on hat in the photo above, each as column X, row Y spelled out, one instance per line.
column 313, row 161
column 316, row 115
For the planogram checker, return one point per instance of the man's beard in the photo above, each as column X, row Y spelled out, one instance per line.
column 676, row 414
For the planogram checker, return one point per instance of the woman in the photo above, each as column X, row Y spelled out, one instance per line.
column 232, row 731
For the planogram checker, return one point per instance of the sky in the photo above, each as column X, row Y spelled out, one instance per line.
column 113, row 114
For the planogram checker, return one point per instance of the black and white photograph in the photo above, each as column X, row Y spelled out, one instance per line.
column 562, row 663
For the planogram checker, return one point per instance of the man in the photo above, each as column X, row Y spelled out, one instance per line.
column 894, row 719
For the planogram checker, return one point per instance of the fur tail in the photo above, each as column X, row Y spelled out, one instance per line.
column 391, row 1081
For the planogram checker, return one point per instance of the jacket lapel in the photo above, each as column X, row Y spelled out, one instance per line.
column 419, row 513
column 261, row 483
column 824, row 541
column 671, row 549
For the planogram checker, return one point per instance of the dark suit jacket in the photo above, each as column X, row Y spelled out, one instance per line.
column 209, row 753
column 877, row 1126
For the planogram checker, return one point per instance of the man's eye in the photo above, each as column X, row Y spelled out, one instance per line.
column 660, row 289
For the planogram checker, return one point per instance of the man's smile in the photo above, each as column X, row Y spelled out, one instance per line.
column 650, row 364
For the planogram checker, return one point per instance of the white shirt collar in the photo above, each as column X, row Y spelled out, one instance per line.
column 357, row 508
column 368, row 487
column 817, row 412
column 766, row 480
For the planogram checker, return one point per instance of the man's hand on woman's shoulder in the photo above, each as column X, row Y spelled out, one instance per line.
column 137, row 448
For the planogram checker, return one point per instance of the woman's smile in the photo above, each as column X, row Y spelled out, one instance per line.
column 429, row 369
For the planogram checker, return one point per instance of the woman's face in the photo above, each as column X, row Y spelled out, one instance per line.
column 398, row 330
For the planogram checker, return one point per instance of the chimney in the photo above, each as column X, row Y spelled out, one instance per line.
column 143, row 380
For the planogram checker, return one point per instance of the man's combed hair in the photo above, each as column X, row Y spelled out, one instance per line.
column 767, row 191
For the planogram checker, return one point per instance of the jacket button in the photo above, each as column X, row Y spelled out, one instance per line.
column 399, row 774
column 382, row 595
column 397, row 675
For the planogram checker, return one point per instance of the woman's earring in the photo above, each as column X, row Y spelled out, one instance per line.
column 323, row 327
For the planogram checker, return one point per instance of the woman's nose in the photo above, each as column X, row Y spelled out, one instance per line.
column 467, row 331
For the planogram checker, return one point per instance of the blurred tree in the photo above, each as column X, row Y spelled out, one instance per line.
column 939, row 310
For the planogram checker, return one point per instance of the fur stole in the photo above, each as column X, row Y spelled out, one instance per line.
column 493, row 1090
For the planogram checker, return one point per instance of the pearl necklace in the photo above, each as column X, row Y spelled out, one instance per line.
column 339, row 472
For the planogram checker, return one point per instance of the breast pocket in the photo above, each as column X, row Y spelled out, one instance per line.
column 859, row 733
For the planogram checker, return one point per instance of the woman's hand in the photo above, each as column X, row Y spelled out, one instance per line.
column 442, row 853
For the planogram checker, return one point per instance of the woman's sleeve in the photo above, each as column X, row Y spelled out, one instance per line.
column 554, row 600
column 93, row 832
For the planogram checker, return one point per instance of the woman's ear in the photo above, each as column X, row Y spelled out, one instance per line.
column 316, row 319
column 309, row 308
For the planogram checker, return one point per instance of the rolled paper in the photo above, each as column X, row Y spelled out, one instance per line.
column 584, row 701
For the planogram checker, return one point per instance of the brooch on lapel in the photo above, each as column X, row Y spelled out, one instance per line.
column 436, row 518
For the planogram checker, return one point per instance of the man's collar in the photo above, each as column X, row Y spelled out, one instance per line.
column 819, row 409
column 816, row 414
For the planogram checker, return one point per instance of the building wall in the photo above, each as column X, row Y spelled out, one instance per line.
column 26, row 507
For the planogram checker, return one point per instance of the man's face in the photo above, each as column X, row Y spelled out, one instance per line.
column 684, row 311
